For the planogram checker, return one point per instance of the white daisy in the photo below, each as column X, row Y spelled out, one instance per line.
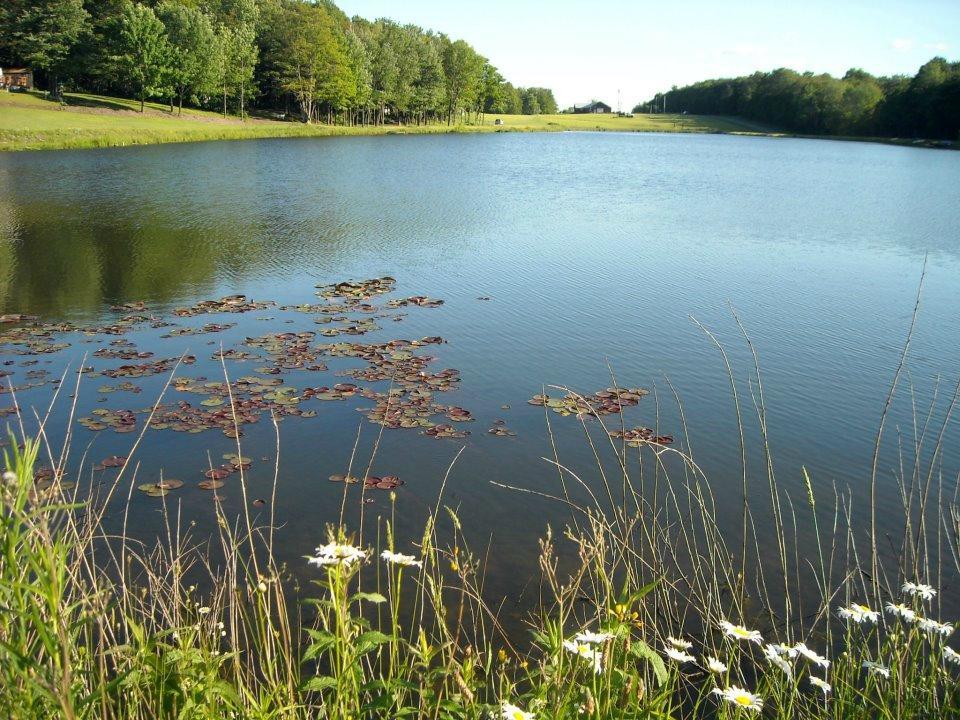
column 400, row 559
column 951, row 655
column 740, row 632
column 715, row 666
column 588, row 652
column 775, row 658
column 740, row 697
column 822, row 684
column 593, row 638
column 932, row 626
column 679, row 643
column 678, row 655
column 919, row 590
column 859, row 614
column 784, row 650
column 512, row 712
column 901, row 611
column 811, row 655
column 876, row 668
column 337, row 554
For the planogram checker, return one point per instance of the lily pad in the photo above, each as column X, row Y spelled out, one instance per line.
column 153, row 490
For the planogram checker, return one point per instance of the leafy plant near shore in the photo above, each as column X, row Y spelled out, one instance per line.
column 646, row 609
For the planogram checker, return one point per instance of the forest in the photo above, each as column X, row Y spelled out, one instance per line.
column 305, row 60
column 926, row 105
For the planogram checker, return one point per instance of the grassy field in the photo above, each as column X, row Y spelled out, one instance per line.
column 32, row 122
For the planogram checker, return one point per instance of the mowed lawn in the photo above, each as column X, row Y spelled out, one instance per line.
column 32, row 122
column 637, row 123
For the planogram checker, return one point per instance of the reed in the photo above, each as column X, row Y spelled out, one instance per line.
column 648, row 606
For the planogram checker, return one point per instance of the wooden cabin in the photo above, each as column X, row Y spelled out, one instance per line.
column 16, row 78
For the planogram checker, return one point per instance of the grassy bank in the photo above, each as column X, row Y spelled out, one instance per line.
column 32, row 122
column 646, row 608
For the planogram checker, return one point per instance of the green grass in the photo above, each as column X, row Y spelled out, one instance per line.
column 32, row 122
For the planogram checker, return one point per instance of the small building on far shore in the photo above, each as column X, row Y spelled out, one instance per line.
column 16, row 78
column 596, row 107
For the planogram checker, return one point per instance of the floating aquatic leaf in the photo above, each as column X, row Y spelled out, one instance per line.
column 358, row 290
column 170, row 484
column 210, row 484
column 153, row 490
column 641, row 435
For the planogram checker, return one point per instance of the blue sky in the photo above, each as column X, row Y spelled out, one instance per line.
column 590, row 49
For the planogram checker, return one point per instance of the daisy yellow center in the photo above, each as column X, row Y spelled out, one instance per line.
column 740, row 631
column 742, row 700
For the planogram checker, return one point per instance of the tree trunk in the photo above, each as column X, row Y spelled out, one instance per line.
column 224, row 100
column 141, row 102
column 180, row 104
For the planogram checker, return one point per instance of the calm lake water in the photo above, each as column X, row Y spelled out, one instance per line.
column 595, row 251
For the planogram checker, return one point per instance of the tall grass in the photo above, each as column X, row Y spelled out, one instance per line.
column 647, row 606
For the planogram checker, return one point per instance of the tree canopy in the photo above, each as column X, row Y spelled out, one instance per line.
column 304, row 57
column 924, row 106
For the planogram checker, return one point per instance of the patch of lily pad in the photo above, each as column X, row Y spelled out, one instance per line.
column 641, row 436
column 604, row 402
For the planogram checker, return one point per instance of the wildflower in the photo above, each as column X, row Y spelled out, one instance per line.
column 203, row 610
column 512, row 712
column 951, row 655
column 739, row 697
column 588, row 652
column 820, row 683
column 773, row 656
column 919, row 590
column 876, row 668
column 740, row 633
column 9, row 477
column 678, row 655
column 859, row 614
column 679, row 643
column 901, row 611
column 400, row 559
column 932, row 626
column 811, row 655
column 784, row 650
column 337, row 554
column 591, row 638
column 715, row 666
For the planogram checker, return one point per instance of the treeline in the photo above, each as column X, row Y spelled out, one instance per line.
column 926, row 105
column 304, row 58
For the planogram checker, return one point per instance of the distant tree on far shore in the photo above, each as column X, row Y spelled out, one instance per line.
column 924, row 106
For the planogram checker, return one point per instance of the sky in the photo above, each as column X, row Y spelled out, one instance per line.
column 586, row 50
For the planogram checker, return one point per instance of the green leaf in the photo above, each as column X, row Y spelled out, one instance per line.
column 318, row 683
column 641, row 650
column 372, row 597
column 369, row 640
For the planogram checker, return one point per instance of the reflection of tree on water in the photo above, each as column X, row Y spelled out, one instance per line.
column 67, row 248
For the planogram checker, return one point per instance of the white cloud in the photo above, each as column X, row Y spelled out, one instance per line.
column 938, row 46
column 902, row 44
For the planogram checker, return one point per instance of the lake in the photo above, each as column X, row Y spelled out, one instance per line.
column 560, row 259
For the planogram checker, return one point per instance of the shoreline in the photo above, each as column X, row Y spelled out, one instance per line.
column 30, row 122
